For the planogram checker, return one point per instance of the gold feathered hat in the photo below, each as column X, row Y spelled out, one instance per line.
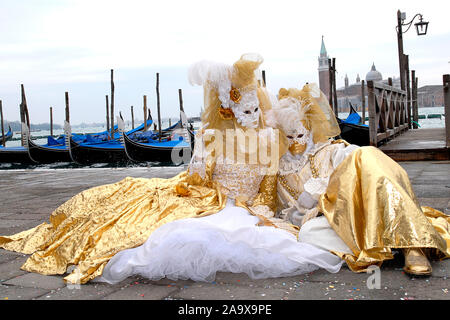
column 310, row 106
column 226, row 86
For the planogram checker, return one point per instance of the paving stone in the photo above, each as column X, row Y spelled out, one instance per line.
column 441, row 268
column 11, row 269
column 242, row 279
column 20, row 293
column 434, row 191
column 27, row 224
column 6, row 256
column 28, row 216
column 434, row 202
column 89, row 291
column 142, row 292
column 10, row 223
column 228, row 292
column 166, row 282
column 36, row 280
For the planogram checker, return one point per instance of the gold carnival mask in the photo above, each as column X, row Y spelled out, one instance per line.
column 296, row 148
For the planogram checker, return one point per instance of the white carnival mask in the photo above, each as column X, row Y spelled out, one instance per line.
column 244, row 103
column 299, row 134
column 247, row 111
column 290, row 114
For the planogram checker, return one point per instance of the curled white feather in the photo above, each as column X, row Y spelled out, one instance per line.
column 216, row 73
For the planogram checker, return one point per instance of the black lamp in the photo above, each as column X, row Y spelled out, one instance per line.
column 421, row 27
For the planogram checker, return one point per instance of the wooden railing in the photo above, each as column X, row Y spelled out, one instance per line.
column 388, row 112
column 446, row 88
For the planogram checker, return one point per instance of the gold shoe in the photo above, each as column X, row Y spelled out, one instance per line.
column 416, row 263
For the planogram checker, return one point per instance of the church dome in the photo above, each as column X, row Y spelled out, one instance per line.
column 374, row 75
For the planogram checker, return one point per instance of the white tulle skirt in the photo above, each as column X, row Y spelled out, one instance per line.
column 228, row 241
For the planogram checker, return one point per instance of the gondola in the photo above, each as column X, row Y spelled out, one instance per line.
column 48, row 153
column 94, row 151
column 174, row 147
column 165, row 151
column 7, row 136
column 352, row 130
column 15, row 155
column 56, row 150
column 89, row 153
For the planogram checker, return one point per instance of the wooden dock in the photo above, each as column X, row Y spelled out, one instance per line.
column 390, row 126
column 418, row 145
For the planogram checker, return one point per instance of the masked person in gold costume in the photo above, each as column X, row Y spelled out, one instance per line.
column 216, row 216
column 354, row 201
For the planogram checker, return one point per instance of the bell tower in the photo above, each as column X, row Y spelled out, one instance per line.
column 324, row 74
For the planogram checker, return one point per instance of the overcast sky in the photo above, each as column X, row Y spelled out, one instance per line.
column 53, row 46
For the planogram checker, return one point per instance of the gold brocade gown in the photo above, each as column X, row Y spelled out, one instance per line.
column 97, row 223
column 89, row 229
column 369, row 202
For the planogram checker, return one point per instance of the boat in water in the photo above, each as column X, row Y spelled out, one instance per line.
column 174, row 147
column 56, row 150
column 8, row 135
column 352, row 129
column 94, row 150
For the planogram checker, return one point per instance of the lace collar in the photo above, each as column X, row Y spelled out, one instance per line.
column 290, row 163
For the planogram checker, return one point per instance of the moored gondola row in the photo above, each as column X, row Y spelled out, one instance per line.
column 135, row 145
column 112, row 146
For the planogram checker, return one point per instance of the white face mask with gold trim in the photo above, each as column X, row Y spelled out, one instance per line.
column 299, row 135
column 298, row 138
column 247, row 110
column 243, row 102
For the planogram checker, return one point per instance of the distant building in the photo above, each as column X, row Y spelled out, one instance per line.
column 351, row 93
column 324, row 73
column 427, row 96
column 430, row 96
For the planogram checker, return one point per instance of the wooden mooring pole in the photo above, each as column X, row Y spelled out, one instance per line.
column 363, row 102
column 51, row 121
column 67, row 108
column 22, row 120
column 145, row 113
column 112, row 104
column 180, row 98
column 400, row 51
column 335, row 101
column 25, row 106
column 415, row 101
column 446, row 88
column 411, row 98
column 158, row 105
column 3, row 128
column 107, row 113
column 371, row 108
column 330, row 84
column 24, row 115
column 132, row 118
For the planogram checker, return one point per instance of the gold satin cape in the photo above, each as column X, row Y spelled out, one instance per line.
column 90, row 228
column 371, row 205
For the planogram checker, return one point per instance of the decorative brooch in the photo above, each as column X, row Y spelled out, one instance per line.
column 226, row 114
column 235, row 95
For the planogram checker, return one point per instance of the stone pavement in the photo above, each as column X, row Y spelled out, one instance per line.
column 29, row 196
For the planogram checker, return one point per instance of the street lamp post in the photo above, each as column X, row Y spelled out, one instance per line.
column 421, row 29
